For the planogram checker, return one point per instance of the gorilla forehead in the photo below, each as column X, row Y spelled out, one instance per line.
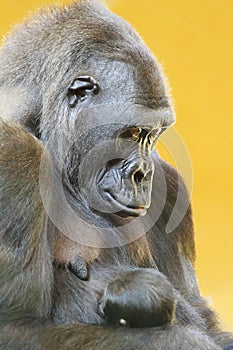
column 54, row 43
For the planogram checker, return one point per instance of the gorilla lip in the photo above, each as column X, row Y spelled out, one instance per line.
column 139, row 210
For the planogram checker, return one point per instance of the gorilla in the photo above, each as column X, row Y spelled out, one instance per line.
column 139, row 298
column 84, row 196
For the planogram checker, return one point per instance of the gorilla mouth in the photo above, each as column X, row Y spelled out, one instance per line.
column 129, row 209
column 128, row 193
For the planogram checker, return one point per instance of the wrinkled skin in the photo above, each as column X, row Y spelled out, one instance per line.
column 83, row 194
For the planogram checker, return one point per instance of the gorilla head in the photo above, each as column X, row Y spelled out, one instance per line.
column 139, row 298
column 95, row 96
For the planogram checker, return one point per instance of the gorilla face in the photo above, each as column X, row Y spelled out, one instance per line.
column 118, row 118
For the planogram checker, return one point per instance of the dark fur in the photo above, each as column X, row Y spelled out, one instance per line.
column 43, row 304
column 139, row 298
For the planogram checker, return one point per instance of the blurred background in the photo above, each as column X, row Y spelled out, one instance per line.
column 193, row 42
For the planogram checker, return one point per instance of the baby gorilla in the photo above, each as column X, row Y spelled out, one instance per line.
column 139, row 298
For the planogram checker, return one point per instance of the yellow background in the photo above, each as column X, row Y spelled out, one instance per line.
column 192, row 39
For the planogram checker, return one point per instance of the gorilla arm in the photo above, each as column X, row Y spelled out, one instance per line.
column 87, row 337
column 25, row 256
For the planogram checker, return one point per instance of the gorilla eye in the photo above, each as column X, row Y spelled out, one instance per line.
column 131, row 134
column 81, row 88
column 135, row 133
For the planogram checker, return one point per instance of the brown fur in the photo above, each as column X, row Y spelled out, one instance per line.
column 43, row 304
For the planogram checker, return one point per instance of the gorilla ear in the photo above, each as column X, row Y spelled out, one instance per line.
column 80, row 88
column 22, row 105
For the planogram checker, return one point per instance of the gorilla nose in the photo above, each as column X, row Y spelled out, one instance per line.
column 138, row 170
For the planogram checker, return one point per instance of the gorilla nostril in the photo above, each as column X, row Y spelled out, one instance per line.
column 138, row 176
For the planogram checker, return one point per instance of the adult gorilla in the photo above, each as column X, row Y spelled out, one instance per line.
column 76, row 205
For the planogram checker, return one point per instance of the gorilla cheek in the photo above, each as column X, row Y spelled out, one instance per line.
column 83, row 174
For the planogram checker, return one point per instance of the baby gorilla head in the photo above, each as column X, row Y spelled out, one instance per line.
column 139, row 298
